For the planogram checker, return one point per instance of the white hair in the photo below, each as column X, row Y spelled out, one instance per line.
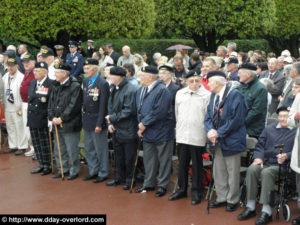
column 156, row 55
column 219, row 79
column 11, row 47
column 232, row 45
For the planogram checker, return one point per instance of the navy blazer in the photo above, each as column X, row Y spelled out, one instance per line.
column 37, row 112
column 231, row 126
column 76, row 62
column 95, row 99
column 115, row 56
column 156, row 113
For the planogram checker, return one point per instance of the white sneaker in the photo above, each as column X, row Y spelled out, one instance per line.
column 29, row 153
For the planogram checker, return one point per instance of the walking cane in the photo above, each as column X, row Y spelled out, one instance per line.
column 51, row 150
column 135, row 165
column 280, row 146
column 211, row 178
column 59, row 153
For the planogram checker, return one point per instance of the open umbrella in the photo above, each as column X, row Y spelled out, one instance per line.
column 179, row 46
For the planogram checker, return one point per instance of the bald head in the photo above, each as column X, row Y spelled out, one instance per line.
column 126, row 50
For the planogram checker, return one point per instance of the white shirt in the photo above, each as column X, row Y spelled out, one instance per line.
column 21, row 56
column 51, row 72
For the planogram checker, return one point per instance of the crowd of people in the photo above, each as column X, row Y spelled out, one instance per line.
column 186, row 104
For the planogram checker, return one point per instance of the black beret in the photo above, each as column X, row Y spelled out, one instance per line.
column 216, row 73
column 42, row 65
column 117, row 70
column 166, row 67
column 248, row 66
column 11, row 61
column 191, row 73
column 91, row 61
column 47, row 52
column 282, row 108
column 27, row 57
column 150, row 69
column 63, row 66
column 59, row 47
column 10, row 53
column 73, row 43
column 202, row 53
column 232, row 60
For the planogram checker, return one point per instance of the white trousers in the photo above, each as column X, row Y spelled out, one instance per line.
column 15, row 130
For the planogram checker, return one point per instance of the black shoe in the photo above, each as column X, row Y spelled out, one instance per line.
column 216, row 204
column 37, row 170
column 246, row 214
column 20, row 151
column 46, row 171
column 127, row 186
column 263, row 219
column 10, row 150
column 89, row 177
column 296, row 221
column 72, row 177
column 144, row 189
column 230, row 207
column 113, row 183
column 160, row 192
column 59, row 175
column 99, row 179
column 196, row 198
column 177, row 195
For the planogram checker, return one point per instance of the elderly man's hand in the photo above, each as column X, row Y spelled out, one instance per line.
column 281, row 158
column 212, row 135
column 297, row 116
column 258, row 161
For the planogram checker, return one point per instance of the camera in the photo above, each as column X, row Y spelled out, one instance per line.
column 10, row 98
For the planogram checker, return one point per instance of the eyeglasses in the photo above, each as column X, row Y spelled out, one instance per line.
column 194, row 81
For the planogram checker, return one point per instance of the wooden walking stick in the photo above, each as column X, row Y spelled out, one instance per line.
column 135, row 165
column 51, row 150
column 59, row 153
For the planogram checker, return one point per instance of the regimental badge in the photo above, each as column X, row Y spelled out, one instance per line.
column 43, row 99
column 95, row 98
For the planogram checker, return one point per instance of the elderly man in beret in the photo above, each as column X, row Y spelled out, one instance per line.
column 38, row 98
column 29, row 63
column 47, row 56
column 17, row 140
column 75, row 60
column 64, row 110
column 225, row 123
column 233, row 68
column 95, row 98
column 123, row 125
column 190, row 109
column 256, row 95
column 156, row 127
column 265, row 165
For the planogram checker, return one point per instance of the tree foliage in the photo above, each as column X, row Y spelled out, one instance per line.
column 44, row 19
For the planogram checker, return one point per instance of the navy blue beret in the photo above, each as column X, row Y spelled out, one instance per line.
column 248, row 66
column 150, row 69
column 216, row 73
column 117, row 70
column 42, row 65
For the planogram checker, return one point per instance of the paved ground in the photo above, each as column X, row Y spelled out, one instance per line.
column 23, row 193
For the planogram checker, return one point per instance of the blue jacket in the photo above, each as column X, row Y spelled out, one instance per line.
column 270, row 137
column 76, row 62
column 234, row 76
column 231, row 126
column 95, row 100
column 156, row 113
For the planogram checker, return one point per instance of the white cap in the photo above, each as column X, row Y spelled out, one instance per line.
column 285, row 53
column 233, row 54
column 288, row 59
column 90, row 41
column 11, row 47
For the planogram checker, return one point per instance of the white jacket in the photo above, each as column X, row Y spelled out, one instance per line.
column 15, row 87
column 190, row 111
column 294, row 109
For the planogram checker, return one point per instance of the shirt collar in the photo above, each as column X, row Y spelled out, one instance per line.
column 221, row 93
column 278, row 126
column 42, row 81
column 151, row 86
column 65, row 81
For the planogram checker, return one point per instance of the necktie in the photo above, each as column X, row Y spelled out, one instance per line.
column 143, row 96
column 271, row 76
column 216, row 111
column 89, row 83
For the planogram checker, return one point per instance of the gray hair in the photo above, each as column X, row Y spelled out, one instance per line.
column 232, row 45
column 219, row 79
column 296, row 66
column 267, row 82
column 287, row 69
column 155, row 75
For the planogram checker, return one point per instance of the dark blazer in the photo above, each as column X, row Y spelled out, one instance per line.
column 66, row 102
column 95, row 99
column 37, row 112
column 231, row 125
column 234, row 76
column 115, row 56
column 279, row 81
column 287, row 94
column 173, row 88
column 76, row 62
column 156, row 113
column 89, row 51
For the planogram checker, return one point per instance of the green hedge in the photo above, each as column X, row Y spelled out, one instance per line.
column 247, row 45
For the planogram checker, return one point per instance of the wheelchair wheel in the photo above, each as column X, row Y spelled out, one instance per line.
column 286, row 212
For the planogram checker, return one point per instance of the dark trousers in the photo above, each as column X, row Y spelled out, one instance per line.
column 125, row 155
column 185, row 154
column 41, row 144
